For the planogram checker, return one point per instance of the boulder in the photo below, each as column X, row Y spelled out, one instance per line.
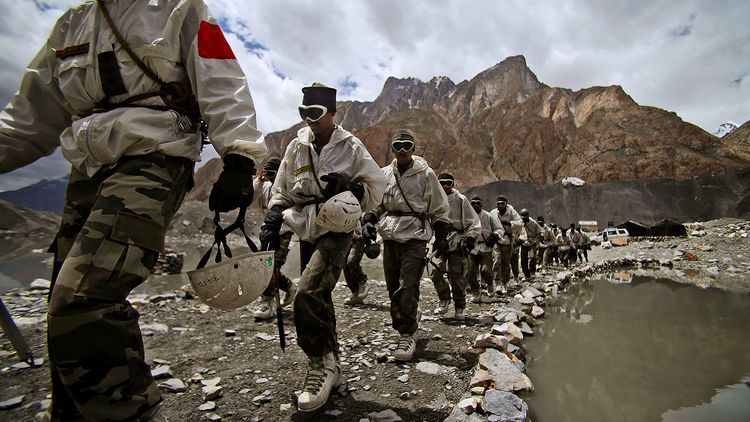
column 507, row 406
column 506, row 375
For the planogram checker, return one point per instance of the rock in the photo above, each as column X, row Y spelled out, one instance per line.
column 506, row 375
column 432, row 368
column 507, row 406
column 405, row 395
column 11, row 403
column 526, row 330
column 212, row 417
column 40, row 284
column 384, row 416
column 478, row 390
column 209, row 405
column 211, row 392
column 537, row 312
column 333, row 413
column 689, row 256
column 470, row 405
column 481, row 378
column 531, row 292
column 571, row 181
column 173, row 385
column 441, row 403
column 489, row 340
column 511, row 331
column 163, row 297
column 155, row 327
column 229, row 333
column 265, row 337
column 404, row 378
column 213, row 382
column 161, row 372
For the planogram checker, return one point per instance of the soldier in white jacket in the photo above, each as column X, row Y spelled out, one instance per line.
column 321, row 162
column 413, row 205
column 480, row 258
column 531, row 232
column 262, row 186
column 128, row 90
column 465, row 229
column 505, row 254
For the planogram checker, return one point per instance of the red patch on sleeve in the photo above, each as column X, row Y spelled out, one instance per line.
column 212, row 44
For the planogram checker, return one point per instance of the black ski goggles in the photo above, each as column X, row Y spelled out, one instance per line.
column 446, row 182
column 312, row 113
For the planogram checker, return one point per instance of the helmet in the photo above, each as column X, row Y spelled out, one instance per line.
column 372, row 250
column 340, row 214
column 234, row 282
column 524, row 212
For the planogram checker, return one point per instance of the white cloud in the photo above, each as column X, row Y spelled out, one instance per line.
column 691, row 57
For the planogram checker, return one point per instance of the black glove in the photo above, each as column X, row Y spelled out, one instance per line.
column 234, row 187
column 440, row 244
column 337, row 183
column 269, row 231
column 492, row 240
column 369, row 232
column 518, row 242
column 469, row 243
column 370, row 217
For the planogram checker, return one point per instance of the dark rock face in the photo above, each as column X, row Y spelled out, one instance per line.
column 647, row 201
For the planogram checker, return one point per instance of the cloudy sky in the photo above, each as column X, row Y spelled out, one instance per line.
column 689, row 56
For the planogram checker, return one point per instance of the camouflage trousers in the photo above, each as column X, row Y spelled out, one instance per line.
column 403, row 264
column 314, row 316
column 112, row 230
column 453, row 266
column 353, row 273
column 480, row 264
column 501, row 257
column 528, row 260
column 279, row 258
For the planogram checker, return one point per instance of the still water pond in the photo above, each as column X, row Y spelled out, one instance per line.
column 646, row 349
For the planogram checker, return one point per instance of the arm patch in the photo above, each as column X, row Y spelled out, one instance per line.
column 212, row 44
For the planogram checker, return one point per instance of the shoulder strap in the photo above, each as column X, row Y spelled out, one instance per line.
column 150, row 73
column 220, row 238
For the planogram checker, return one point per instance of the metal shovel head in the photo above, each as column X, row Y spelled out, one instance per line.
column 234, row 282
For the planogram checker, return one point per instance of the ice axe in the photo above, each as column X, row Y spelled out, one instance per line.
column 428, row 259
column 277, row 298
column 14, row 334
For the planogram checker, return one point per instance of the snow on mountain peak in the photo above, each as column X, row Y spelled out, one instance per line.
column 725, row 129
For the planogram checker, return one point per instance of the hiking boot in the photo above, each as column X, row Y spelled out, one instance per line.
column 267, row 309
column 406, row 348
column 322, row 374
column 459, row 315
column 289, row 295
column 476, row 298
column 442, row 307
column 358, row 296
column 501, row 290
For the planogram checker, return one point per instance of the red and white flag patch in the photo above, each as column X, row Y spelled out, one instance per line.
column 212, row 44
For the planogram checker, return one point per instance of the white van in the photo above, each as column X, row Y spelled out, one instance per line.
column 610, row 234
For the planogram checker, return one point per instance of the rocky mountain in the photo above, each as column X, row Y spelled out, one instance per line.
column 47, row 195
column 511, row 126
column 725, row 129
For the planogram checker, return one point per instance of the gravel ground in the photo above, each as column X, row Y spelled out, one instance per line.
column 259, row 382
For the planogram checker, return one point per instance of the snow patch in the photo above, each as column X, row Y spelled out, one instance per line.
column 572, row 181
column 725, row 129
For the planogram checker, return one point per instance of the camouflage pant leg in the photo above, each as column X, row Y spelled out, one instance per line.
column 403, row 264
column 112, row 230
column 279, row 257
column 457, row 278
column 454, row 267
column 472, row 272
column 514, row 260
column 314, row 316
column 528, row 260
column 353, row 273
column 485, row 271
column 501, row 263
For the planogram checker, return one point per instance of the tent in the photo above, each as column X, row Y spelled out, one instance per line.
column 667, row 227
column 635, row 228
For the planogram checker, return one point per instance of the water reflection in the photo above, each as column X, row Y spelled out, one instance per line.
column 631, row 352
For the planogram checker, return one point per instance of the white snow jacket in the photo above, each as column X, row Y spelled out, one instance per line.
column 564, row 243
column 510, row 214
column 490, row 224
column 298, row 183
column 178, row 40
column 425, row 195
column 530, row 233
column 463, row 218
column 548, row 238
